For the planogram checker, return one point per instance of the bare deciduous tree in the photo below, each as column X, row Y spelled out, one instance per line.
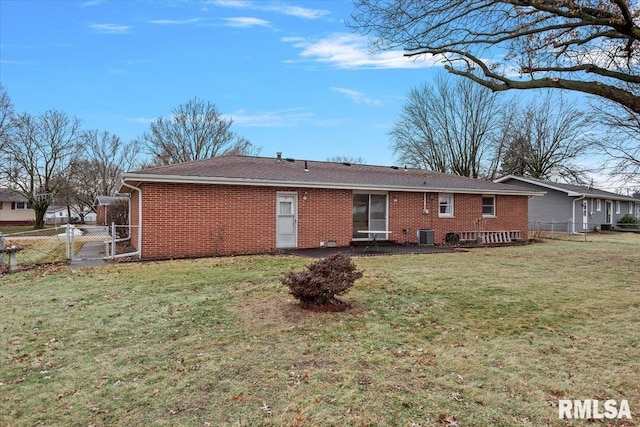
column 6, row 116
column 195, row 131
column 110, row 156
column 97, row 171
column 347, row 159
column 453, row 126
column 587, row 46
column 547, row 136
column 620, row 140
column 38, row 156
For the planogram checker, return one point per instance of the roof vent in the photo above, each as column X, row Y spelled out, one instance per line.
column 394, row 167
column 279, row 155
column 289, row 159
column 306, row 169
column 346, row 163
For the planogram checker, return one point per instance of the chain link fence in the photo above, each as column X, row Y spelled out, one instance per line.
column 35, row 247
column 66, row 243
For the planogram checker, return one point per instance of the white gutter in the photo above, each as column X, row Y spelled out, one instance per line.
column 573, row 214
column 139, row 190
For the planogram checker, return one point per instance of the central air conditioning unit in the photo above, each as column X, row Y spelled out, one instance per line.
column 425, row 237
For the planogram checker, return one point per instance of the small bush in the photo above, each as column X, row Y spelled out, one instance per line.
column 323, row 280
column 628, row 221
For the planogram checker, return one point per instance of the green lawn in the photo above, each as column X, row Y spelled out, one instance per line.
column 491, row 337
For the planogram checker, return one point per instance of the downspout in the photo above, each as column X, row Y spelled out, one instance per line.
column 573, row 215
column 139, row 190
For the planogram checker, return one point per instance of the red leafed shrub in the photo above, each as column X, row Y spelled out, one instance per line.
column 322, row 281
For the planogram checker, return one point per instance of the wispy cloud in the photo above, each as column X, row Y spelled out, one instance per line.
column 246, row 22
column 90, row 3
column 143, row 120
column 110, row 28
column 238, row 4
column 300, row 12
column 350, row 51
column 278, row 7
column 175, row 21
column 10, row 62
column 282, row 118
column 356, row 96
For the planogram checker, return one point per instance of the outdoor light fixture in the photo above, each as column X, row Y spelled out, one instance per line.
column 304, row 196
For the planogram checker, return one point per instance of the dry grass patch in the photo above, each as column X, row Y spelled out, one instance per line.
column 490, row 337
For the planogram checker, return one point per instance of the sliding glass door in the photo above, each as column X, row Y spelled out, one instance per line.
column 369, row 214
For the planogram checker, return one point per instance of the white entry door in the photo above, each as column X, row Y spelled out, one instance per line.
column 287, row 220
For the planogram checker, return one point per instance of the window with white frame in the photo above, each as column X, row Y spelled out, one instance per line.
column 598, row 205
column 445, row 205
column 21, row 205
column 630, row 208
column 617, row 206
column 488, row 205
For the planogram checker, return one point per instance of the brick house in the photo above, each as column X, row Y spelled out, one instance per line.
column 102, row 204
column 240, row 205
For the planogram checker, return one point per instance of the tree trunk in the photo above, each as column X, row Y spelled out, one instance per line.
column 40, row 211
column 40, row 208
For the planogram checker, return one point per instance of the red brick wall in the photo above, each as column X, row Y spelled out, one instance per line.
column 184, row 220
column 101, row 215
column 325, row 216
column 408, row 211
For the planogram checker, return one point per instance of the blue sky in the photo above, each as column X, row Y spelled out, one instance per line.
column 289, row 73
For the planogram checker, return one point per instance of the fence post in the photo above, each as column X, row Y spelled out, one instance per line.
column 113, row 240
column 1, row 248
column 69, row 241
column 585, row 232
column 66, row 242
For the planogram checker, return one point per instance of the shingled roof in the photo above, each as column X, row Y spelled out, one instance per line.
column 281, row 172
column 8, row 195
column 571, row 189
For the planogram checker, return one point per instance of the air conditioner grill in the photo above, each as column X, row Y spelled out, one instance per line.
column 425, row 237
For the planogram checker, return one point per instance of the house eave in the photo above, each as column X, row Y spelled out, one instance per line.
column 539, row 184
column 569, row 193
column 137, row 179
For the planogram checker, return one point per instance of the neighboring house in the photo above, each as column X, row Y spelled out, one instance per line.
column 577, row 207
column 101, row 205
column 55, row 215
column 60, row 215
column 235, row 204
column 15, row 209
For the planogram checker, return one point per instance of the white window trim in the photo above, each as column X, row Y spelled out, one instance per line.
column 493, row 215
column 617, row 205
column 598, row 205
column 451, row 197
column 630, row 208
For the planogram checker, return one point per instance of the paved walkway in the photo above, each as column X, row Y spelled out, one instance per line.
column 90, row 255
column 92, row 252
